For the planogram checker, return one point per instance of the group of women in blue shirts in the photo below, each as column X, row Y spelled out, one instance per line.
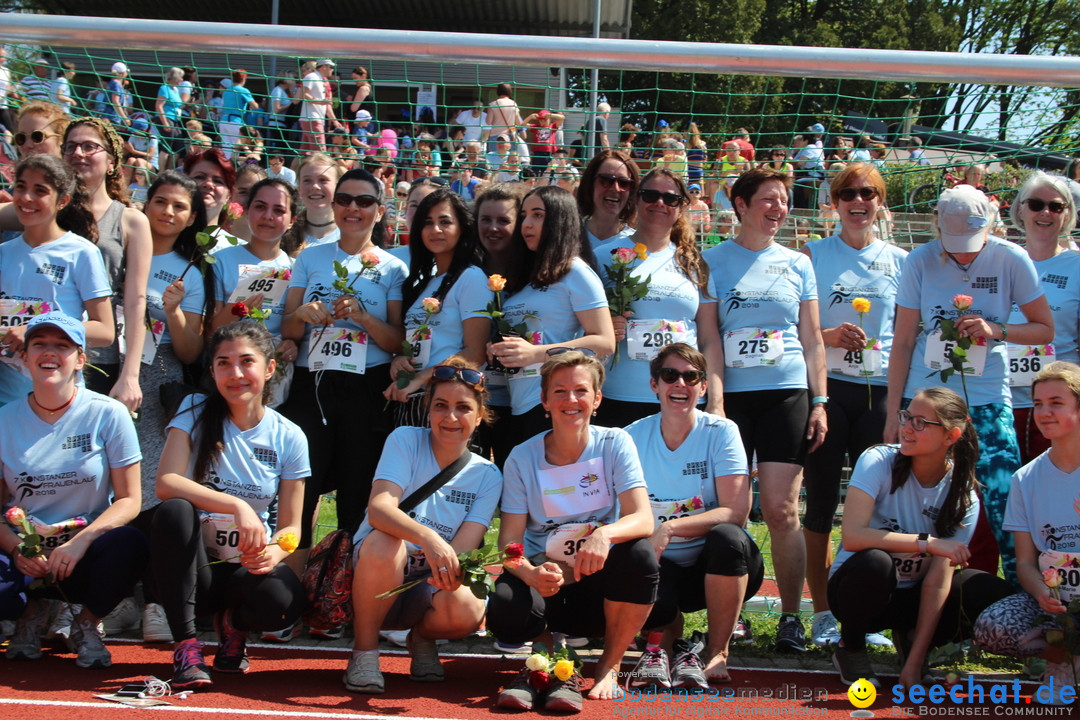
column 384, row 366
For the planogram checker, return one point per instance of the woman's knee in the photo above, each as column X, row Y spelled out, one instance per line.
column 512, row 614
column 174, row 515
column 380, row 550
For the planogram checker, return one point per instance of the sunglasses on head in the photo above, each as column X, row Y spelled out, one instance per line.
column 651, row 196
column 671, row 376
column 848, row 194
column 552, row 352
column 1036, row 205
column 345, row 200
column 37, row 137
column 466, row 375
column 607, row 181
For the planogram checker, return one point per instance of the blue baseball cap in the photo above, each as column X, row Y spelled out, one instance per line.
column 64, row 323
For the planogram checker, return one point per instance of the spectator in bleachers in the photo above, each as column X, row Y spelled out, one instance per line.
column 918, row 154
column 236, row 102
column 861, row 153
column 317, row 109
column 167, row 109
column 809, row 165
column 62, row 94
column 362, row 98
column 38, row 85
column 542, row 129
column 473, row 120
column 599, row 130
column 8, row 91
column 878, row 153
column 627, row 135
column 276, row 168
column 118, row 97
column 41, row 127
column 503, row 117
column 746, row 148
column 283, row 99
column 697, row 156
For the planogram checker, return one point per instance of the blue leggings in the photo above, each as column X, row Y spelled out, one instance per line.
column 999, row 458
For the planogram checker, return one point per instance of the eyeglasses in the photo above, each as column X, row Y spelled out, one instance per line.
column 363, row 201
column 606, row 181
column 552, row 352
column 466, row 375
column 651, row 196
column 918, row 424
column 671, row 376
column 87, row 147
column 848, row 194
column 1034, row 204
column 37, row 137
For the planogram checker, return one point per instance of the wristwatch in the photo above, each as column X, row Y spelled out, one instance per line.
column 924, row 543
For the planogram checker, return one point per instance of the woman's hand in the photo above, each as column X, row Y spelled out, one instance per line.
column 547, row 579
column 514, row 351
column 288, row 350
column 892, row 429
column 1050, row 604
column 817, row 427
column 957, row 552
column 254, row 301
column 31, row 567
column 261, row 562
column 315, row 313
column 347, row 307
column 974, row 327
column 911, row 673
column 660, row 538
column 619, row 321
column 847, row 336
column 251, row 529
column 591, row 556
column 128, row 391
column 403, row 363
column 62, row 560
column 172, row 296
column 443, row 561
column 12, row 340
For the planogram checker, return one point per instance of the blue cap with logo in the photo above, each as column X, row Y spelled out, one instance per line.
column 64, row 323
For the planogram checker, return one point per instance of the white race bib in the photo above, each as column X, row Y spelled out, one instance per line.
column 1068, row 569
column 855, row 363
column 272, row 282
column 1025, row 362
column 645, row 337
column 221, row 537
column 56, row 534
column 421, row 348
column 664, row 510
column 14, row 313
column 910, row 566
column 575, row 489
column 494, row 378
column 753, row 347
column 155, row 330
column 564, row 541
column 339, row 349
column 937, row 354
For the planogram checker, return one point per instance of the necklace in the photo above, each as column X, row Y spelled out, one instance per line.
column 53, row 411
column 315, row 224
column 966, row 269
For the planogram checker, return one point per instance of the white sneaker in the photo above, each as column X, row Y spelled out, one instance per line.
column 125, row 616
column 60, row 627
column 878, row 639
column 1057, row 677
column 397, row 637
column 823, row 629
column 155, row 624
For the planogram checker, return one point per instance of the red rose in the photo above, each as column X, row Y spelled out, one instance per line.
column 540, row 680
column 240, row 310
column 514, row 550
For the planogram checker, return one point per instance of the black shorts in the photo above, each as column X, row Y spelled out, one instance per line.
column 772, row 423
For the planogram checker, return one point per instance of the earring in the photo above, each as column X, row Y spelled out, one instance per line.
column 594, row 413
column 547, row 414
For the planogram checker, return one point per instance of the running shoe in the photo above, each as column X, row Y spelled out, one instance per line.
column 190, row 671
column 25, row 643
column 425, row 665
column 334, row 632
column 155, row 624
column 88, row 643
column 651, row 671
column 854, row 665
column 564, row 696
column 743, row 633
column 518, row 695
column 283, row 635
column 232, row 645
column 687, row 670
column 790, row 634
column 878, row 640
column 824, row 630
column 125, row 616
column 512, row 648
column 363, row 674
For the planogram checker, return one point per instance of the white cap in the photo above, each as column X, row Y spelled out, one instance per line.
column 964, row 215
column 119, row 67
column 362, row 115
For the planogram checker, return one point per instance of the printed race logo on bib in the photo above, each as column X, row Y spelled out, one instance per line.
column 577, row 489
column 937, row 354
column 753, row 347
column 1025, row 362
column 56, row 534
column 14, row 313
column 855, row 363
column 645, row 337
column 339, row 349
column 420, row 342
column 564, row 541
column 272, row 282
column 1068, row 569
column 664, row 510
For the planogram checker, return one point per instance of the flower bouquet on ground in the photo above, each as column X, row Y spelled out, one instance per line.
column 479, row 568
column 545, row 667
column 625, row 287
column 1061, row 630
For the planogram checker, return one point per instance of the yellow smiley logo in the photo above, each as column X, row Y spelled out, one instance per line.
column 862, row 693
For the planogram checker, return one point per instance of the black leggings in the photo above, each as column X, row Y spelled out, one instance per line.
column 189, row 587
column 728, row 551
column 517, row 613
column 864, row 597
column 855, row 423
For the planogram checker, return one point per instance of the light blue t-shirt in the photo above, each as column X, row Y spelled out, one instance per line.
column 314, row 272
column 683, row 481
column 586, row 491
column 843, row 274
column 1001, row 275
column 62, row 274
column 164, row 270
column 1041, row 501
column 761, row 291
column 234, row 104
column 671, row 304
column 253, row 462
column 173, row 103
column 57, row 472
column 597, row 242
column 403, row 253
column 331, row 237
column 470, row 496
column 553, row 314
column 467, row 295
column 227, row 277
column 911, row 509
column 1060, row 278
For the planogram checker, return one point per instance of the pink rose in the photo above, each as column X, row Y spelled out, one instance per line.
column 1051, row 577
column 962, row 302
column 369, row 259
column 431, row 305
column 623, row 255
column 15, row 516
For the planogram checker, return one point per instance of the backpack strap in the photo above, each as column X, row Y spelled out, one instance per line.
column 441, row 478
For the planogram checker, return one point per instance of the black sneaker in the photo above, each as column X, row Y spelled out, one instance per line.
column 651, row 671
column 687, row 670
column 564, row 696
column 232, row 645
column 790, row 634
column 854, row 665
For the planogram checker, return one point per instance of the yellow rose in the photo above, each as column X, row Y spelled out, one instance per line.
column 536, row 662
column 861, row 305
column 288, row 542
column 496, row 283
column 641, row 251
column 564, row 669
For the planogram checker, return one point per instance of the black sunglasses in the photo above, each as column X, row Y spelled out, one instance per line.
column 37, row 137
column 449, row 372
column 345, row 200
column 649, row 196
column 607, row 181
column 1036, row 205
column 552, row 352
column 848, row 194
column 671, row 376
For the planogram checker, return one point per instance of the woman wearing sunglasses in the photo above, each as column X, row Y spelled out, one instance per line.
column 909, row 515
column 605, row 196
column 395, row 546
column 347, row 342
column 1045, row 213
column 576, row 497
column 853, row 264
column 561, row 300
column 768, row 373
column 972, row 279
column 41, row 127
column 699, row 492
column 678, row 306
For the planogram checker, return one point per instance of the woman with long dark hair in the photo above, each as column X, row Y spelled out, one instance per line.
column 605, row 196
